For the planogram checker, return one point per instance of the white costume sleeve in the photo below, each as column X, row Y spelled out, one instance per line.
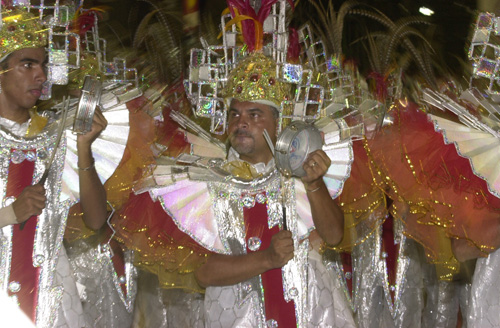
column 7, row 216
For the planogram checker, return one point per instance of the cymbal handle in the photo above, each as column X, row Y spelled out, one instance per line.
column 283, row 208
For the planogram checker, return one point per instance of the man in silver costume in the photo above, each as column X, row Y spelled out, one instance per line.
column 247, row 121
column 260, row 274
column 35, row 270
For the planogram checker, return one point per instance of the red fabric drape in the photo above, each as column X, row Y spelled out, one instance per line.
column 276, row 306
column 22, row 269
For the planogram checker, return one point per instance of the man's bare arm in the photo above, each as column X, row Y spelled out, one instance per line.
column 225, row 270
column 92, row 192
column 327, row 216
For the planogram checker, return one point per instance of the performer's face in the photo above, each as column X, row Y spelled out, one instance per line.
column 22, row 77
column 246, row 123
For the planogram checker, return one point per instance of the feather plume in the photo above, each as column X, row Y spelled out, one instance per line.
column 251, row 22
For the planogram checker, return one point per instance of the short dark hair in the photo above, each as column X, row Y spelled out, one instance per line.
column 276, row 113
column 4, row 64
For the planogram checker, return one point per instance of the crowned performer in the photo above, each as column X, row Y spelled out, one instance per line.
column 264, row 248
column 35, row 270
column 256, row 227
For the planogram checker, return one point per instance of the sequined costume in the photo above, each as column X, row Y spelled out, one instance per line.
column 471, row 197
column 217, row 204
column 210, row 205
column 102, row 267
column 484, row 300
column 106, row 271
column 35, row 270
column 38, row 246
column 384, row 273
column 475, row 139
column 46, row 286
column 443, row 193
column 450, row 157
column 415, row 166
column 196, row 196
column 234, row 218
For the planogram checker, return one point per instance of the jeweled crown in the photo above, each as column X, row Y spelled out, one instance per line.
column 256, row 78
column 20, row 29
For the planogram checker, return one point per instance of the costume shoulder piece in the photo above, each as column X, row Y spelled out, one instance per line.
column 477, row 136
column 189, row 185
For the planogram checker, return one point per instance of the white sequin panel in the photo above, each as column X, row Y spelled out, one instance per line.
column 190, row 205
column 107, row 151
column 221, row 310
column 104, row 304
column 485, row 293
column 326, row 306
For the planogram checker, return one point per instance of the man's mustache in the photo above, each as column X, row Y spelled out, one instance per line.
column 241, row 133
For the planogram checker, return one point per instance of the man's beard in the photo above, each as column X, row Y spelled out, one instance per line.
column 242, row 148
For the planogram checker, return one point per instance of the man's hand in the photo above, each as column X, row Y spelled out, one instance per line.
column 316, row 165
column 30, row 202
column 98, row 125
column 281, row 249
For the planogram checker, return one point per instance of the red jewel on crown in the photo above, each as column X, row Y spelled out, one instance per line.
column 254, row 78
column 11, row 28
column 239, row 89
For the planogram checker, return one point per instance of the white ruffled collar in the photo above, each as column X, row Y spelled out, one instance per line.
column 18, row 129
column 260, row 168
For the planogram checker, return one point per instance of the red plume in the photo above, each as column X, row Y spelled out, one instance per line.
column 243, row 7
column 293, row 46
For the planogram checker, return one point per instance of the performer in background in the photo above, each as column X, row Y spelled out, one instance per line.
column 36, row 270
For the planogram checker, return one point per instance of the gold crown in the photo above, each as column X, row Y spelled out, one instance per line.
column 20, row 29
column 255, row 78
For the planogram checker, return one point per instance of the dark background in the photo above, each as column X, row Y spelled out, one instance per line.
column 448, row 32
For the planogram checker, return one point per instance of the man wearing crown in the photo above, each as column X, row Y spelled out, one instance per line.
column 249, row 114
column 262, row 231
column 35, row 271
column 249, row 234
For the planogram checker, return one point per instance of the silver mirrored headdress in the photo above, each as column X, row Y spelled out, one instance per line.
column 316, row 82
column 64, row 46
column 484, row 51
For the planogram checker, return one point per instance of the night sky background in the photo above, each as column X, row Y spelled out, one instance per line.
column 448, row 30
